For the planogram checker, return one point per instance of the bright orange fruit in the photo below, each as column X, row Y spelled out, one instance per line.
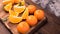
column 22, row 2
column 14, row 19
column 7, row 2
column 25, row 14
column 11, row 12
column 8, row 7
column 39, row 14
column 19, row 9
column 17, row 1
column 31, row 20
column 31, row 9
column 23, row 27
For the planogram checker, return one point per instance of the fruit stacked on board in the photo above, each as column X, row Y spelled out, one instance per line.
column 25, row 16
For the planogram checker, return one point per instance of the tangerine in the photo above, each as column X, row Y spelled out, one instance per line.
column 31, row 20
column 23, row 27
column 39, row 14
column 31, row 8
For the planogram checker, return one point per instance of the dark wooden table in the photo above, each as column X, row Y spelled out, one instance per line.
column 52, row 27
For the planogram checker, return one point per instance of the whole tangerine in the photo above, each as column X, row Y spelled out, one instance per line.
column 31, row 8
column 39, row 14
column 23, row 27
column 31, row 20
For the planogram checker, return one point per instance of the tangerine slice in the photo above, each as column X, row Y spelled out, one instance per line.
column 7, row 1
column 25, row 14
column 14, row 19
column 22, row 2
column 8, row 7
column 19, row 9
column 17, row 1
column 11, row 12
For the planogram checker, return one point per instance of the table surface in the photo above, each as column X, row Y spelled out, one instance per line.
column 52, row 27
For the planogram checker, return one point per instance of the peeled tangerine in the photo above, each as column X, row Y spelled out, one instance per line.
column 7, row 1
column 8, row 7
column 25, row 14
column 19, row 9
column 14, row 19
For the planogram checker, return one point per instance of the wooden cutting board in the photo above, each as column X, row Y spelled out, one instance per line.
column 3, row 29
column 12, row 27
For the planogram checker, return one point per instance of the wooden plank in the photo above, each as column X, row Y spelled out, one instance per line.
column 3, row 29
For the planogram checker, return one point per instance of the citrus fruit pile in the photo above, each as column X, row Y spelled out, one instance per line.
column 25, row 16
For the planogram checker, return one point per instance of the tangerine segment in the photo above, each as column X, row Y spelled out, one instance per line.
column 11, row 12
column 7, row 1
column 14, row 19
column 22, row 2
column 19, row 9
column 25, row 14
column 17, row 1
column 23, row 27
column 8, row 7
